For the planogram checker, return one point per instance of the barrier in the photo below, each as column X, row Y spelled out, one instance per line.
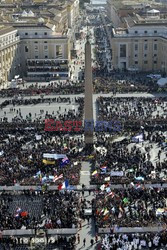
column 33, row 232
column 78, row 188
column 116, row 229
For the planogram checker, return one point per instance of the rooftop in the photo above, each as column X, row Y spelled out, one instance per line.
column 4, row 30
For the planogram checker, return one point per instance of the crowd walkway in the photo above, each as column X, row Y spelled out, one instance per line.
column 87, row 230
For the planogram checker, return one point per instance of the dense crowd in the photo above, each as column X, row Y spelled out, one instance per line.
column 134, row 207
column 124, row 161
column 37, row 209
column 124, row 109
column 22, row 160
column 55, row 87
column 134, row 241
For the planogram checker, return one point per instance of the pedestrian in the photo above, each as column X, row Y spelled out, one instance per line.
column 84, row 242
column 78, row 237
column 96, row 238
column 91, row 242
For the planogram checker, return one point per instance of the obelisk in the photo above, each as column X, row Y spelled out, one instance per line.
column 88, row 106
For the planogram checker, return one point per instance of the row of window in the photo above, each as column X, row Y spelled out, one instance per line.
column 37, row 42
column 155, row 47
column 145, row 55
column 45, row 33
column 145, row 62
column 145, row 32
column 36, row 48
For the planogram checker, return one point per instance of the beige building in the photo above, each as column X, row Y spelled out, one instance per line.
column 142, row 46
column 9, row 54
column 44, row 43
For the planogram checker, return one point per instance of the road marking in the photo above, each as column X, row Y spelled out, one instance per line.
column 85, row 172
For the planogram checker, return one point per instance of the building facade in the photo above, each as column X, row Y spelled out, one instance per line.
column 9, row 54
column 44, row 52
column 142, row 47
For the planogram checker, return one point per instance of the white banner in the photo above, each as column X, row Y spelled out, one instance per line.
column 117, row 173
column 53, row 156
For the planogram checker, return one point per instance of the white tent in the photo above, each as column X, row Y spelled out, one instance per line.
column 162, row 81
column 138, row 138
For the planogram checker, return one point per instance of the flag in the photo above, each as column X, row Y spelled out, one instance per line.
column 40, row 177
column 106, row 217
column 94, row 173
column 108, row 189
column 106, row 211
column 119, row 215
column 103, row 169
column 110, row 194
column 57, row 177
column 101, row 211
column 120, row 209
column 48, row 162
column 60, row 186
column 64, row 161
column 125, row 200
column 102, row 187
column 66, row 183
column 18, row 210
column 107, row 179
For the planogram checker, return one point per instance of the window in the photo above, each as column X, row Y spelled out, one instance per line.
column 136, row 41
column 155, row 54
column 26, row 48
column 36, row 57
column 155, row 31
column 136, row 46
column 155, row 46
column 46, row 56
column 122, row 50
column 45, row 42
column 45, row 33
column 45, row 47
column 145, row 62
column 36, row 33
column 59, row 50
column 145, row 55
column 145, row 46
column 136, row 55
column 145, row 32
column 145, row 40
column 26, row 34
column 155, row 62
column 136, row 62
column 35, row 42
column 155, row 40
column 136, row 31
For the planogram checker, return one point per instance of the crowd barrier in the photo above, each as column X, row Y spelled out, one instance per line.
column 33, row 232
column 154, row 229
column 78, row 188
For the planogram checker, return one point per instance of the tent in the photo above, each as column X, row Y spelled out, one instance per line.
column 162, row 81
column 137, row 138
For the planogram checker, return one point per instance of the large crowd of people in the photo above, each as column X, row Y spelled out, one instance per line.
column 133, row 207
column 37, row 209
column 125, row 162
column 134, row 241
